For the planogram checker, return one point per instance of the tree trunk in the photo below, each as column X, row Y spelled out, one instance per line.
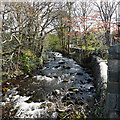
column 107, row 36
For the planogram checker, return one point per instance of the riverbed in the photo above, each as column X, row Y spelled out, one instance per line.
column 61, row 84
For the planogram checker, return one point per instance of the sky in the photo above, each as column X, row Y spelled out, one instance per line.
column 56, row 1
column 53, row 0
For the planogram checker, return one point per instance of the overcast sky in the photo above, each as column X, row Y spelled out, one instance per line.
column 52, row 0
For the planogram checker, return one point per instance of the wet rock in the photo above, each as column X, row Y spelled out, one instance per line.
column 71, row 73
column 52, row 112
column 13, row 112
column 39, row 95
column 52, row 98
column 4, row 100
column 90, row 101
column 49, row 75
column 61, row 62
column 72, row 70
column 89, row 80
column 36, row 100
column 36, row 80
column 42, row 100
column 63, row 110
column 79, row 73
column 68, row 102
column 57, row 66
column 66, row 67
column 43, row 105
column 56, row 92
column 21, row 93
column 65, row 98
column 88, row 71
column 81, row 93
column 65, row 80
column 54, row 115
column 55, row 76
column 19, row 89
column 91, row 75
column 91, row 88
column 72, row 79
column 79, row 101
column 49, row 105
column 76, row 90
column 28, row 93
column 70, row 93
column 28, row 101
column 71, row 88
column 82, row 81
column 61, row 115
column 81, row 90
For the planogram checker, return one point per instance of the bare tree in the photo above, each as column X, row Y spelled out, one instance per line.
column 28, row 23
column 106, row 10
column 83, row 10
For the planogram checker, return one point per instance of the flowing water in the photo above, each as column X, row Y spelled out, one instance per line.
column 37, row 97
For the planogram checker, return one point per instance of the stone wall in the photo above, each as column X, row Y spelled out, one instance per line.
column 96, row 64
column 105, row 76
column 99, row 68
column 113, row 95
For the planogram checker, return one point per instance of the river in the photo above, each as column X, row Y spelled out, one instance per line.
column 61, row 84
